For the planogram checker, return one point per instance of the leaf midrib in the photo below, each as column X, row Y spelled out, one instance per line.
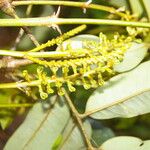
column 40, row 126
column 115, row 102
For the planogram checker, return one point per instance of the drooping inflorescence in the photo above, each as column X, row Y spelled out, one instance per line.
column 91, row 69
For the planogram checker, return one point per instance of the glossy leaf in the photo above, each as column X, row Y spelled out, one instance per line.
column 42, row 126
column 147, row 7
column 125, row 143
column 125, row 95
column 134, row 55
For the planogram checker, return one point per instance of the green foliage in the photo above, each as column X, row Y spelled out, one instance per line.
column 72, row 137
column 7, row 97
column 101, row 135
column 51, row 122
column 95, row 60
column 40, row 124
column 126, row 142
column 125, row 95
column 134, row 55
column 83, row 78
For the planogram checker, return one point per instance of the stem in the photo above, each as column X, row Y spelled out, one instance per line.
column 47, row 21
column 9, row 62
column 73, row 4
column 51, row 55
column 28, row 32
column 16, row 105
column 21, row 32
column 35, row 82
column 19, row 84
column 79, row 120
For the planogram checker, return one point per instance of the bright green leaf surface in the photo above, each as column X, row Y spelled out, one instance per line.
column 57, row 142
column 125, row 95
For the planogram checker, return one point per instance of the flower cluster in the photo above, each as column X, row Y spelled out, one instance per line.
column 91, row 68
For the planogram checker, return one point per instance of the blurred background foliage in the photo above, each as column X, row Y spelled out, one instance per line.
column 10, row 118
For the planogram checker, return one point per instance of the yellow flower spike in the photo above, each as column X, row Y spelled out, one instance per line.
column 26, row 75
column 43, row 95
column 60, row 91
column 28, row 91
column 36, row 60
column 89, row 68
column 60, row 39
column 39, row 72
column 86, row 85
column 44, row 78
column 58, row 84
column 100, row 79
column 84, row 67
column 92, row 82
column 49, row 89
column 70, row 87
column 54, row 70
column 65, row 71
column 103, row 39
column 74, row 68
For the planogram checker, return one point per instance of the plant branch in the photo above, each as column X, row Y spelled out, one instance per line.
column 73, row 4
column 77, row 117
column 8, row 9
column 35, row 82
column 16, row 105
column 19, row 84
column 10, row 62
column 50, row 55
column 21, row 31
column 47, row 21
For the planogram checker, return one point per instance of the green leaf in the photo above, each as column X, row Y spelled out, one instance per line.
column 99, row 136
column 119, row 3
column 42, row 126
column 72, row 136
column 134, row 55
column 7, row 114
column 125, row 95
column 147, row 7
column 136, row 7
column 126, row 143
